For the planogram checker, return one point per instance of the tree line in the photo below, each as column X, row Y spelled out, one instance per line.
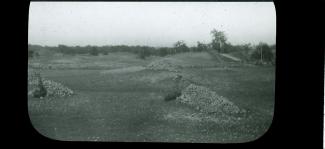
column 260, row 52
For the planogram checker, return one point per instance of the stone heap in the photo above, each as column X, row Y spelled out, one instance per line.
column 207, row 101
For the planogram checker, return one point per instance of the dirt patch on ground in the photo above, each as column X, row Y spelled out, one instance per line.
column 231, row 57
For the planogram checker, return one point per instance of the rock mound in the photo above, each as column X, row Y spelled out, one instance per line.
column 57, row 89
column 207, row 101
column 168, row 64
column 53, row 89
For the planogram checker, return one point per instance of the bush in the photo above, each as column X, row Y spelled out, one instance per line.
column 40, row 91
column 201, row 47
column 180, row 46
column 172, row 96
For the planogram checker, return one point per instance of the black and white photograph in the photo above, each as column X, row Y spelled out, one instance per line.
column 185, row 72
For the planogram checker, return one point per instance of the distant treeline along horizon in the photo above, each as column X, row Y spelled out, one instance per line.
column 219, row 43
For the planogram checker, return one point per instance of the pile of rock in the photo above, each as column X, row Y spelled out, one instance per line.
column 168, row 64
column 207, row 101
column 53, row 89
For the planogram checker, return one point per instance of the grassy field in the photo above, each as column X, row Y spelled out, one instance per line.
column 117, row 99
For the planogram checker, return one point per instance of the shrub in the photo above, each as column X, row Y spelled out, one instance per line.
column 172, row 96
column 40, row 91
column 180, row 46
column 201, row 47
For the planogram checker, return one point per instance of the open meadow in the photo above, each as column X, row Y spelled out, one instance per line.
column 117, row 98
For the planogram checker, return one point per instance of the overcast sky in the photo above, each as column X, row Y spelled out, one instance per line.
column 149, row 23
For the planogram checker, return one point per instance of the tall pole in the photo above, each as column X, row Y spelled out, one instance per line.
column 220, row 45
column 261, row 54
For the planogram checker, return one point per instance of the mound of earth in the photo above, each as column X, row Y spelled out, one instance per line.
column 53, row 89
column 207, row 101
column 168, row 64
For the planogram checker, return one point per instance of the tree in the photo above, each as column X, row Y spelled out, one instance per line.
column 180, row 46
column 201, row 46
column 246, row 48
column 263, row 53
column 94, row 51
column 218, row 40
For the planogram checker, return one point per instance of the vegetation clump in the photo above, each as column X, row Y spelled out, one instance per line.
column 40, row 91
column 172, row 96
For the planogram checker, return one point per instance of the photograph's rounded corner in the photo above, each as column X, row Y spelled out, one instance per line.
column 274, row 6
column 53, row 136
column 42, row 134
column 261, row 135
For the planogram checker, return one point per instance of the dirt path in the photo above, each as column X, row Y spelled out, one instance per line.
column 124, row 70
column 231, row 57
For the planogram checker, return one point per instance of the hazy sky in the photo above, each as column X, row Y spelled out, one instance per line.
column 149, row 23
